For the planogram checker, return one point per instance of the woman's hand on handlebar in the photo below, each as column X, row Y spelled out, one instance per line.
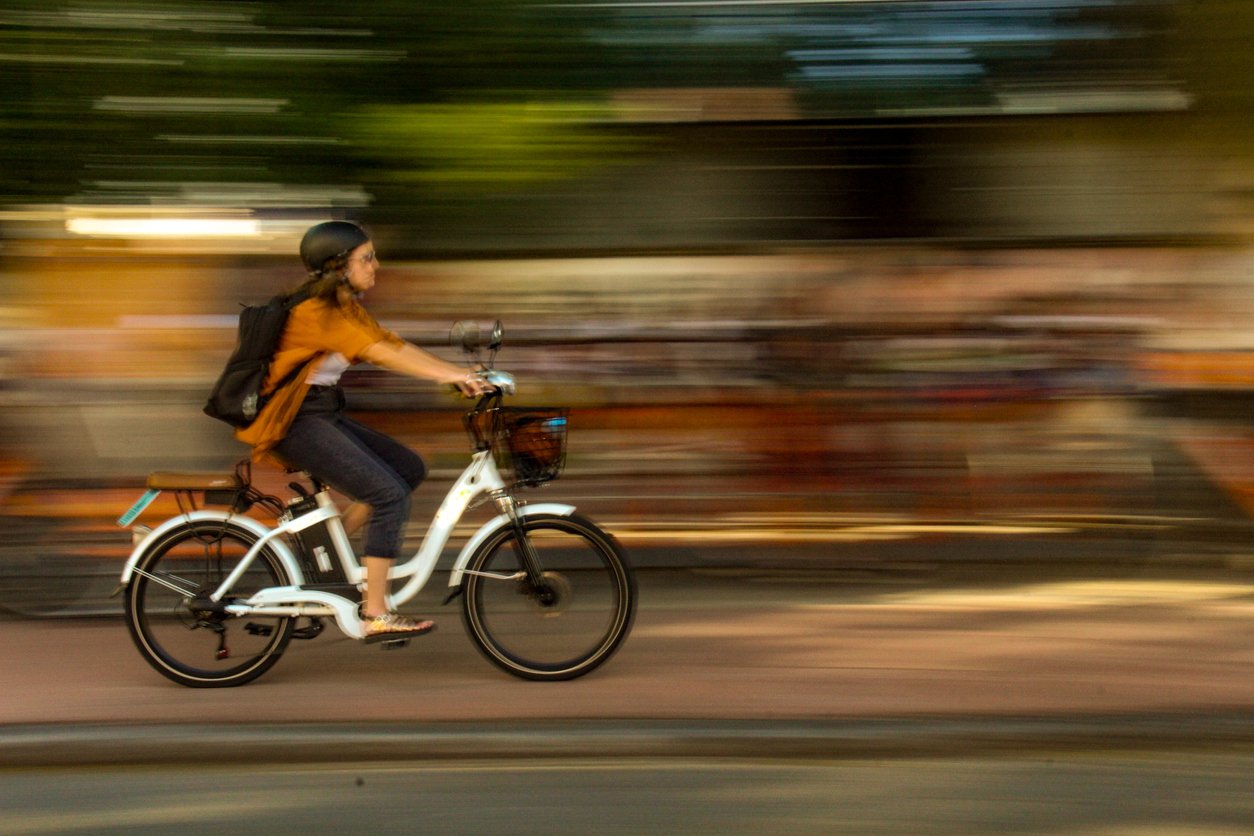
column 486, row 382
column 474, row 385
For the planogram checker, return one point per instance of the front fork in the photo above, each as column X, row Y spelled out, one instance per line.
column 526, row 552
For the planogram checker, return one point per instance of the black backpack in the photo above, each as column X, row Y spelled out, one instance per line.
column 236, row 397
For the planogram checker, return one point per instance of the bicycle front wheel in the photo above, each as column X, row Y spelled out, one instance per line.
column 568, row 625
column 186, row 644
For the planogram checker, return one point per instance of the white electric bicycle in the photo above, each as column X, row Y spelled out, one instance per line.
column 214, row 595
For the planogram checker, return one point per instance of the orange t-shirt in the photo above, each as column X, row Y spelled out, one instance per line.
column 314, row 329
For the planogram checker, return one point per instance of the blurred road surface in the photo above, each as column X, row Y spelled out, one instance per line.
column 725, row 645
column 1102, row 793
column 747, row 700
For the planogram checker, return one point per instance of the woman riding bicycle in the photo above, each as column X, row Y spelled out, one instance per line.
column 304, row 423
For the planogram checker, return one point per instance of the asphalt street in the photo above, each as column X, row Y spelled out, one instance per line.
column 825, row 663
column 1099, row 793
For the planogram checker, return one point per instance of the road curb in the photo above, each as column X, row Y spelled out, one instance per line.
column 273, row 744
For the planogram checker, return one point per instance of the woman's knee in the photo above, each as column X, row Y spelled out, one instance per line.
column 416, row 473
column 410, row 469
column 392, row 496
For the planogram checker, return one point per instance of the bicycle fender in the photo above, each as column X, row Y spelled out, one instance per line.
column 276, row 544
column 492, row 526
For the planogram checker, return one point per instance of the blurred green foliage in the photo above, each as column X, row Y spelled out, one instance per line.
column 480, row 147
column 428, row 107
column 126, row 100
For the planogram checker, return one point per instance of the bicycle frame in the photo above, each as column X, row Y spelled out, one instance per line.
column 480, row 477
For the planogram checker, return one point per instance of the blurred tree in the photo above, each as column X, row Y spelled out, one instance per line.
column 123, row 101
column 452, row 148
column 269, row 104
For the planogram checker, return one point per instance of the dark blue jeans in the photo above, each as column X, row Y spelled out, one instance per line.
column 363, row 464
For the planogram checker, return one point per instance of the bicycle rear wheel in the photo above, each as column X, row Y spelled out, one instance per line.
column 196, row 648
column 569, row 626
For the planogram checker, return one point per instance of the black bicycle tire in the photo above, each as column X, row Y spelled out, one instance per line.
column 163, row 660
column 624, row 581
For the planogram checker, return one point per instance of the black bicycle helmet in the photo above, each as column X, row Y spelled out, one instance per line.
column 327, row 240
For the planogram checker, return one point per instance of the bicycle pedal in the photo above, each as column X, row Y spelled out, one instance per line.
column 310, row 631
column 395, row 644
column 397, row 639
column 258, row 629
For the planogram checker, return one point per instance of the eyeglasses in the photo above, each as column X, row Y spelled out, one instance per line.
column 368, row 258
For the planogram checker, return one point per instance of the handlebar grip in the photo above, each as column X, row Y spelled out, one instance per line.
column 503, row 382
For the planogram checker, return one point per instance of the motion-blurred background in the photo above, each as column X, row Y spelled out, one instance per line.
column 966, row 276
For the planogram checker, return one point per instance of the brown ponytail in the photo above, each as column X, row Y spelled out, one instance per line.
column 326, row 283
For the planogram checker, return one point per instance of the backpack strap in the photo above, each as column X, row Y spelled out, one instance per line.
column 293, row 299
column 301, row 294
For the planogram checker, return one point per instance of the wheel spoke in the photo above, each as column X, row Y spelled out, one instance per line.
column 496, row 576
column 187, row 590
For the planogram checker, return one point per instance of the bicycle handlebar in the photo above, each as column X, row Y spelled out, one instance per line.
column 503, row 382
